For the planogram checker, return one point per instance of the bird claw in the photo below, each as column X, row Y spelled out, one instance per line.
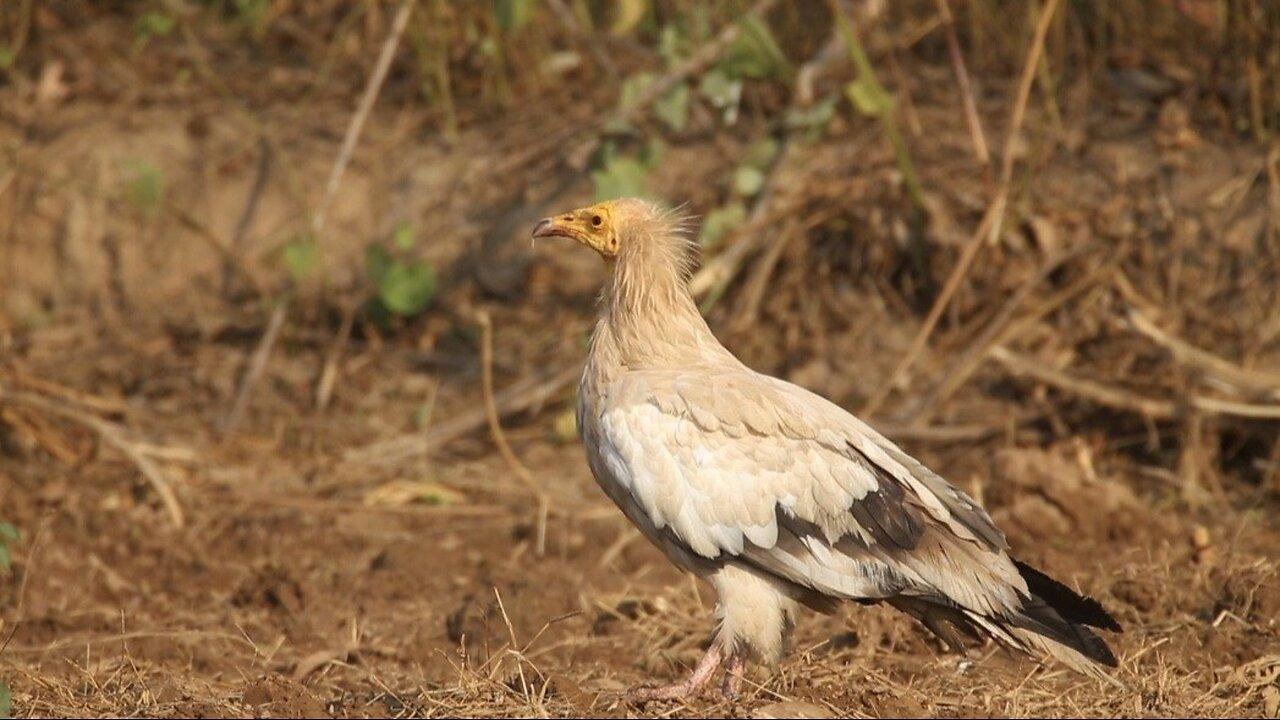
column 732, row 686
column 675, row 691
column 691, row 687
column 697, row 683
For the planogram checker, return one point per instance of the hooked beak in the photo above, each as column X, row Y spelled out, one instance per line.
column 546, row 227
column 555, row 227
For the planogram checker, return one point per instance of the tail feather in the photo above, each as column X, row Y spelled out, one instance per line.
column 1053, row 621
column 1036, row 644
column 1073, row 607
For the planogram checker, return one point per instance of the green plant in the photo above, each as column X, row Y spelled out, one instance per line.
column 813, row 120
column 151, row 24
column 402, row 287
column 8, row 535
column 513, row 14
column 620, row 175
column 719, row 221
column 301, row 256
column 746, row 181
column 6, row 701
column 145, row 186
column 870, row 98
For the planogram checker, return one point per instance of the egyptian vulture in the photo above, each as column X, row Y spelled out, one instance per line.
column 776, row 496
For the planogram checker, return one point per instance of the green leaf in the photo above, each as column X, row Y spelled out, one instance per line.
column 671, row 45
column 652, row 152
column 513, row 14
column 620, row 177
column 7, row 56
column 253, row 13
column 633, row 88
column 5, row 558
column 868, row 97
column 719, row 222
column 145, row 188
column 301, row 255
column 673, row 108
column 8, row 533
column 747, row 181
column 719, row 89
column 402, row 236
column 153, row 24
column 6, row 702
column 756, row 53
column 627, row 15
column 814, row 119
column 760, row 154
column 407, row 289
column 376, row 263
column 422, row 415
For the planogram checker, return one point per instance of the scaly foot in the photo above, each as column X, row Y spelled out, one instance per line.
column 734, row 671
column 707, row 667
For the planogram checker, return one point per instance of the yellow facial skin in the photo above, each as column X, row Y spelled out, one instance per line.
column 594, row 226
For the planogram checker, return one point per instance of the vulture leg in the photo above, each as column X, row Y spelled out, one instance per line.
column 707, row 667
column 736, row 668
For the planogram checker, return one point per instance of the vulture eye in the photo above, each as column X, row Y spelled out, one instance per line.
column 596, row 220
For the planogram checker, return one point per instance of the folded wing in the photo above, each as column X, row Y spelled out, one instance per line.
column 734, row 466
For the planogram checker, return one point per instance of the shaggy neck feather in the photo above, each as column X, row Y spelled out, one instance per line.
column 649, row 319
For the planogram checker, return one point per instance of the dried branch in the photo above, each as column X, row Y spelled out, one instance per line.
column 522, row 396
column 1001, row 329
column 1262, row 381
column 1122, row 399
column 329, row 375
column 263, row 352
column 992, row 222
column 250, row 210
column 113, row 435
column 976, row 134
column 500, row 438
column 257, row 364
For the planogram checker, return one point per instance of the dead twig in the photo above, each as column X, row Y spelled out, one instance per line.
column 521, row 396
column 113, row 435
column 598, row 50
column 758, row 283
column 96, row 403
column 1002, row 329
column 1261, row 381
column 257, row 364
column 499, row 438
column 941, row 433
column 230, row 260
column 329, row 375
column 356, row 126
column 1088, row 389
column 250, row 209
column 992, row 222
column 976, row 135
column 263, row 352
column 1121, row 399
